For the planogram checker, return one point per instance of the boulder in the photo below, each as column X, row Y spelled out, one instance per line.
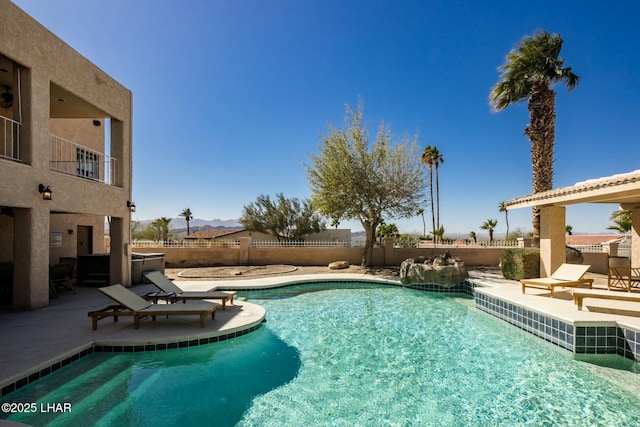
column 443, row 270
column 338, row 265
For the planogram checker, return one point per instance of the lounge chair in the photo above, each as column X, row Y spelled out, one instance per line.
column 166, row 285
column 621, row 275
column 581, row 294
column 139, row 307
column 567, row 275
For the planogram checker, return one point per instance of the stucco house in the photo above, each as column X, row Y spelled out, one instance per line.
column 65, row 158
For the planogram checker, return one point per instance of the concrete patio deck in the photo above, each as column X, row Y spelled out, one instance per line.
column 32, row 341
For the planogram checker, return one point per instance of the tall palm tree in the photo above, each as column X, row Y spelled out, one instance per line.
column 490, row 225
column 438, row 159
column 426, row 159
column 188, row 216
column 503, row 208
column 530, row 70
column 432, row 158
column 424, row 226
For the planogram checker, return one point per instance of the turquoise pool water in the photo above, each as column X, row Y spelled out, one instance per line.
column 362, row 356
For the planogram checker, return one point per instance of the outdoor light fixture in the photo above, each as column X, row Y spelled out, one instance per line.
column 46, row 191
column 131, row 206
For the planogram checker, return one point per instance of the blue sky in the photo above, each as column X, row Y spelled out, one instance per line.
column 231, row 97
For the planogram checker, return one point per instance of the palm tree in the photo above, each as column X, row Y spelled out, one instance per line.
column 433, row 159
column 188, row 216
column 424, row 226
column 438, row 233
column 503, row 208
column 568, row 229
column 489, row 224
column 622, row 220
column 161, row 228
column 528, row 75
column 473, row 236
column 438, row 159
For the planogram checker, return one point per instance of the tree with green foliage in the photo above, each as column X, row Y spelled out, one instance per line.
column 568, row 229
column 353, row 178
column 530, row 70
column 473, row 236
column 490, row 225
column 286, row 219
column 621, row 220
column 188, row 216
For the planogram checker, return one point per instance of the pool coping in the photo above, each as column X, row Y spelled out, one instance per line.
column 579, row 337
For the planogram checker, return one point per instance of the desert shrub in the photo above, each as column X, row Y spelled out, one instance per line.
column 520, row 263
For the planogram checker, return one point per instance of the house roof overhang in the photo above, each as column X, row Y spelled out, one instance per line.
column 622, row 189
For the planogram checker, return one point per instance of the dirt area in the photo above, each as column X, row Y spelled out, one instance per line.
column 250, row 272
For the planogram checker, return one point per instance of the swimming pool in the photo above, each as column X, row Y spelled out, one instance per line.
column 349, row 355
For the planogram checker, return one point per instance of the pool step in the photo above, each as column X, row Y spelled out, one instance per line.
column 75, row 389
column 96, row 403
column 117, row 416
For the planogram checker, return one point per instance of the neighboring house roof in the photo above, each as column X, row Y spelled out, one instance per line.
column 621, row 188
column 212, row 234
column 592, row 239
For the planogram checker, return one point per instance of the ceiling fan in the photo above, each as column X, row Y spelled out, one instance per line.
column 6, row 98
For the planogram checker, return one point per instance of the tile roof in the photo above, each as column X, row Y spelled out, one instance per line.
column 618, row 188
column 591, row 239
column 212, row 234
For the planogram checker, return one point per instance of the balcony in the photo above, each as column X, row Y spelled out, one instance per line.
column 9, row 139
column 70, row 158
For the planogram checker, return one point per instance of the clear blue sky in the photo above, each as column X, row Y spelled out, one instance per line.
column 231, row 97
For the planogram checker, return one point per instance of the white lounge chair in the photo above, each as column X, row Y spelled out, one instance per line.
column 567, row 275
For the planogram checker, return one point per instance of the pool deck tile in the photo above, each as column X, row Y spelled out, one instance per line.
column 34, row 340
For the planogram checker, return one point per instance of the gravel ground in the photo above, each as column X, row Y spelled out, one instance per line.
column 249, row 272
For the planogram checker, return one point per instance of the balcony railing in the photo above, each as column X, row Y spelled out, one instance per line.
column 9, row 139
column 73, row 159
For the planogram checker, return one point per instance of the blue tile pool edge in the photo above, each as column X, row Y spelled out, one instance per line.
column 595, row 338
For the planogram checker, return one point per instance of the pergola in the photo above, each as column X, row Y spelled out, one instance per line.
column 622, row 189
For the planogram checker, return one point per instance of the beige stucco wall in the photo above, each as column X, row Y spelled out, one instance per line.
column 219, row 256
column 46, row 64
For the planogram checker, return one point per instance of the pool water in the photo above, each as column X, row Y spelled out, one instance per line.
column 362, row 356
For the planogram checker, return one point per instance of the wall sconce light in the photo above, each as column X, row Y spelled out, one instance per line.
column 46, row 192
column 131, row 206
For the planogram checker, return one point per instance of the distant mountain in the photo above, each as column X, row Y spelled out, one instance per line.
column 196, row 224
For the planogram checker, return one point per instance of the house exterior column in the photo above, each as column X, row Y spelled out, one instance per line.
column 552, row 239
column 635, row 237
column 31, row 258
column 120, row 255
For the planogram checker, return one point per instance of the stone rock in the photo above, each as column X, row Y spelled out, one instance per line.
column 443, row 270
column 338, row 265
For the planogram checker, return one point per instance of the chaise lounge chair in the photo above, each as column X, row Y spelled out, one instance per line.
column 139, row 307
column 567, row 275
column 166, row 285
column 580, row 294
